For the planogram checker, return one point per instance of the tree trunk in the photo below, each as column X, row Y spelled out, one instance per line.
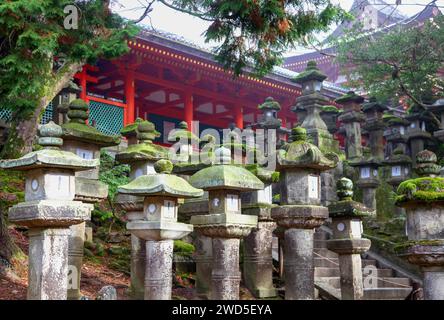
column 20, row 140
column 24, row 128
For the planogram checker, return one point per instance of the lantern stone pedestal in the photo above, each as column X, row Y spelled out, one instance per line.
column 140, row 157
column 423, row 201
column 48, row 211
column 225, row 224
column 85, row 141
column 159, row 226
column 258, row 260
column 347, row 242
column 300, row 211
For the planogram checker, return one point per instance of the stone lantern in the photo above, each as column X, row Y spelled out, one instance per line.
column 258, row 260
column 141, row 158
column 351, row 117
column 300, row 211
column 62, row 100
column 417, row 133
column 438, row 109
column 85, row 141
column 399, row 165
column 368, row 178
column 186, row 139
column 159, row 226
column 330, row 116
column 129, row 132
column 395, row 133
column 347, row 240
column 269, row 109
column 375, row 125
column 423, row 200
column 49, row 210
column 225, row 224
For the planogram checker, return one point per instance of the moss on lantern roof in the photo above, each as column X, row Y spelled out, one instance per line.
column 77, row 129
column 350, row 96
column 50, row 156
column 311, row 73
column 267, row 176
column 373, row 104
column 425, row 189
column 398, row 157
column 182, row 133
column 162, row 184
column 223, row 175
column 331, row 109
column 271, row 104
column 302, row 154
column 392, row 120
column 130, row 129
column 365, row 161
column 142, row 151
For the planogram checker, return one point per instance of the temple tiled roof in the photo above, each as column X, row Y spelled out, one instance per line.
column 178, row 42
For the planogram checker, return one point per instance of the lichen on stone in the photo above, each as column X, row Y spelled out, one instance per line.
column 425, row 189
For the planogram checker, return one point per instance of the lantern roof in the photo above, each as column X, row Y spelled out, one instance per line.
column 373, row 105
column 350, row 96
column 223, row 175
column 312, row 72
column 270, row 104
column 161, row 184
column 398, row 157
column 51, row 156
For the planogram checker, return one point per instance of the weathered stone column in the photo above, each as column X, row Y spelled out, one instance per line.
column 300, row 211
column 423, row 200
column 225, row 224
column 159, row 226
column 85, row 141
column 375, row 126
column 347, row 242
column 49, row 211
column 352, row 118
column 141, row 158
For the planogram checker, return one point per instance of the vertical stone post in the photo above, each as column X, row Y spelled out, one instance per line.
column 85, row 141
column 423, row 200
column 300, row 211
column 347, row 242
column 258, row 260
column 368, row 178
column 141, row 158
column 352, row 118
column 159, row 226
column 225, row 224
column 49, row 210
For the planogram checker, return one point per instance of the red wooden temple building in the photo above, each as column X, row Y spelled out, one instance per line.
column 166, row 79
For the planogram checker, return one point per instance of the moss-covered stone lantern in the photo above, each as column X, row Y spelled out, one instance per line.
column 423, row 200
column 399, row 167
column 60, row 103
column 141, row 158
column 347, row 240
column 269, row 110
column 225, row 224
column 85, row 141
column 159, row 226
column 300, row 211
column 49, row 210
column 187, row 141
column 258, row 261
column 129, row 132
column 368, row 179
column 351, row 117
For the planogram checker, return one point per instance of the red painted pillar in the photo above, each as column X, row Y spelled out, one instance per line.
column 129, row 112
column 83, row 84
column 189, row 110
column 239, row 117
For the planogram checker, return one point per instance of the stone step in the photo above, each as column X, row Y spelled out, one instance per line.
column 325, row 253
column 385, row 282
column 334, row 272
column 329, row 262
column 386, row 293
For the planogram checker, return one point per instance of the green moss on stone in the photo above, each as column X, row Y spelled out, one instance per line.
column 424, row 189
column 86, row 132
